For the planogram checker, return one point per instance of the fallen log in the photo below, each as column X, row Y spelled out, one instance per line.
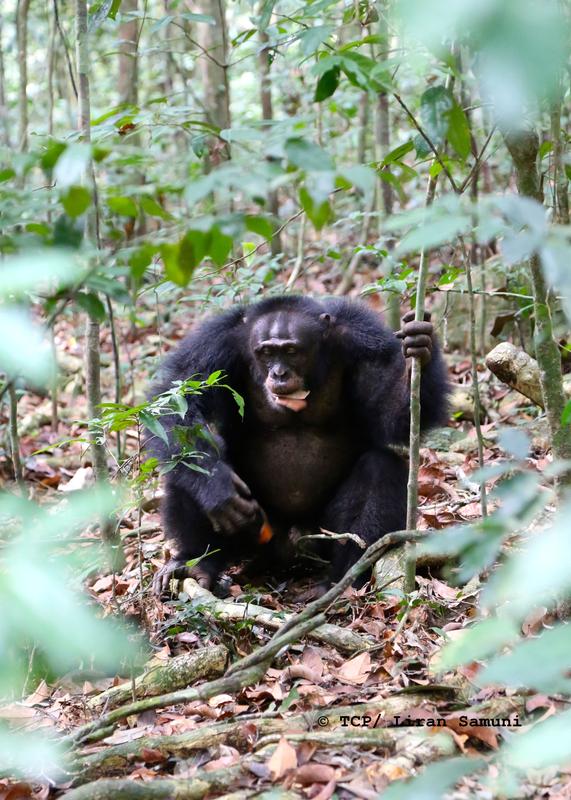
column 517, row 369
column 176, row 673
column 195, row 788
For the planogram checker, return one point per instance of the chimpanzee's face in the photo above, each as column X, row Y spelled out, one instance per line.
column 285, row 346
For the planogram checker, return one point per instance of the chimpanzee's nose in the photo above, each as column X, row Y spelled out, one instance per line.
column 279, row 371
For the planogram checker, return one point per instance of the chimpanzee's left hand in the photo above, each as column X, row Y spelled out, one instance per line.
column 417, row 337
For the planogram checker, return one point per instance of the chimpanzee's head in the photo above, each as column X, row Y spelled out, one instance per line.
column 286, row 348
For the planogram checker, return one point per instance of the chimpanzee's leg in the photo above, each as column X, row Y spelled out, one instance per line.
column 369, row 503
column 190, row 528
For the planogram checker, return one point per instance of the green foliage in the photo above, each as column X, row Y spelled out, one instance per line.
column 521, row 45
column 43, row 610
column 76, row 201
column 121, row 416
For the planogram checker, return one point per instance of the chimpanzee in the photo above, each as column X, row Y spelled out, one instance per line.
column 326, row 393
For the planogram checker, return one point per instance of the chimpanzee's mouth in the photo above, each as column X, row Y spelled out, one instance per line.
column 295, row 401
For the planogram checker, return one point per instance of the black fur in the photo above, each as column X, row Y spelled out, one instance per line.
column 337, row 465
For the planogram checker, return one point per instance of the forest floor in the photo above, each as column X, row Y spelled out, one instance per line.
column 266, row 734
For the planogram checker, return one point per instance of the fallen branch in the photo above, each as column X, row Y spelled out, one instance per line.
column 176, row 673
column 410, row 747
column 97, row 729
column 340, row 638
column 117, row 759
column 369, row 557
column 251, row 668
column 170, row 789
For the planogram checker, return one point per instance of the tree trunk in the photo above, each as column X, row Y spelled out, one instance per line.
column 51, row 72
column 382, row 147
column 92, row 354
column 14, row 436
column 128, row 60
column 363, row 126
column 22, row 38
column 268, row 115
column 523, row 146
column 214, row 68
column 560, row 180
column 4, row 121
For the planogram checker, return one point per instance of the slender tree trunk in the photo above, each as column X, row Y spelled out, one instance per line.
column 382, row 148
column 214, row 68
column 4, row 120
column 523, row 146
column 467, row 258
column 415, row 400
column 51, row 71
column 166, row 81
column 22, row 9
column 92, row 353
column 415, row 378
column 267, row 116
column 363, row 127
column 560, row 180
column 128, row 88
column 14, row 436
column 54, row 384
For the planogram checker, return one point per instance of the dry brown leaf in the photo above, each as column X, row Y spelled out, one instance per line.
column 305, row 752
column 311, row 658
column 42, row 693
column 152, row 756
column 102, row 584
column 314, row 773
column 538, row 701
column 17, row 711
column 127, row 735
column 486, row 735
column 15, row 791
column 393, row 772
column 220, row 699
column 282, row 760
column 325, row 793
column 224, row 761
column 443, row 590
column 301, row 671
column 356, row 670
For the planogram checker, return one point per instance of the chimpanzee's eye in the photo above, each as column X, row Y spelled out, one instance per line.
column 291, row 351
column 265, row 351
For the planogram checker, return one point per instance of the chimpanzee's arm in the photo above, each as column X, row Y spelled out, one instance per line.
column 215, row 345
column 379, row 374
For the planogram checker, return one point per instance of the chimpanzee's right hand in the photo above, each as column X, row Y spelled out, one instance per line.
column 237, row 511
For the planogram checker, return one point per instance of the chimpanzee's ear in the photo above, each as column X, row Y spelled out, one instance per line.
column 329, row 322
